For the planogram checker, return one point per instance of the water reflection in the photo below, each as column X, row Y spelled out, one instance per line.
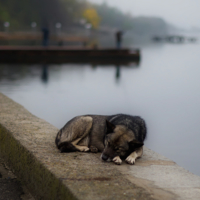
column 45, row 75
column 117, row 72
column 20, row 72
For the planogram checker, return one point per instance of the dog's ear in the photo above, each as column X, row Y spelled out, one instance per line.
column 136, row 144
column 110, row 127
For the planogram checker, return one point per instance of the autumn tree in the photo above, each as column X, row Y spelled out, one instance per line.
column 91, row 15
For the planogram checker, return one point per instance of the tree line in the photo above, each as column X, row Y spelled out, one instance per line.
column 21, row 13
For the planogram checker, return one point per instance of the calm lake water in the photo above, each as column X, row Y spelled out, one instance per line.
column 164, row 89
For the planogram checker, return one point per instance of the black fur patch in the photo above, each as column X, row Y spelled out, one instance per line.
column 67, row 147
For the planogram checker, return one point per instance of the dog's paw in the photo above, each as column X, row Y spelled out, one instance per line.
column 117, row 160
column 84, row 149
column 130, row 160
column 93, row 149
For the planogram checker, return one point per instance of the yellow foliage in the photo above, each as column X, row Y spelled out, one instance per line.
column 91, row 15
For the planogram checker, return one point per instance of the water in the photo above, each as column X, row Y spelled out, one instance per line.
column 163, row 89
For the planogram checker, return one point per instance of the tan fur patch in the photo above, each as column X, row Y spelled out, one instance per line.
column 121, row 133
column 84, row 141
column 77, row 130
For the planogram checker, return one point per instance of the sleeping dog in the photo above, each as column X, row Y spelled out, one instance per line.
column 117, row 136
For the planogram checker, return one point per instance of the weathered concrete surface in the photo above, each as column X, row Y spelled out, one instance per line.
column 10, row 187
column 27, row 143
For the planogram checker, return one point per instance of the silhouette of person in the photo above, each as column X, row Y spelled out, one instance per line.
column 45, row 36
column 118, row 36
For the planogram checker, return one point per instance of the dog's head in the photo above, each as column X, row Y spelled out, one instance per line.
column 119, row 141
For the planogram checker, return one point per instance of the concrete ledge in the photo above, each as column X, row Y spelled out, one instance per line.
column 27, row 144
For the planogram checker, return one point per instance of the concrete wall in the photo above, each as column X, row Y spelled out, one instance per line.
column 27, row 144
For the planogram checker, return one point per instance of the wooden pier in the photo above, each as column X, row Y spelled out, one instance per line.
column 53, row 54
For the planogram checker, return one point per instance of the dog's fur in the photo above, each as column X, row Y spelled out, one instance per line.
column 117, row 136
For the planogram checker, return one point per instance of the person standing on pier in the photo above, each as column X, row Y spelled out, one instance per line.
column 45, row 36
column 118, row 36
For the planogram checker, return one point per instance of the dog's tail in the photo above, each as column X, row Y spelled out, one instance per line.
column 66, row 147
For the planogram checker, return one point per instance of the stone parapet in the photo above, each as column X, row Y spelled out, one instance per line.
column 27, row 144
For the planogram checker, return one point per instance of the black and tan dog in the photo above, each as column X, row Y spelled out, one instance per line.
column 117, row 136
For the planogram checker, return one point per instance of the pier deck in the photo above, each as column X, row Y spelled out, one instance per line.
column 53, row 54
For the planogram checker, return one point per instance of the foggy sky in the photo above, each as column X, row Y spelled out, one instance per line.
column 182, row 13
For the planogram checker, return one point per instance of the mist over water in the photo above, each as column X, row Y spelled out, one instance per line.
column 163, row 89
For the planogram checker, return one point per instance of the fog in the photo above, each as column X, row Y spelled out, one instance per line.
column 181, row 13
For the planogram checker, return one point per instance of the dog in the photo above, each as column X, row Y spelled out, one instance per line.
column 117, row 136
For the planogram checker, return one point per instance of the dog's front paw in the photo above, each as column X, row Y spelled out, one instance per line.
column 130, row 160
column 93, row 149
column 117, row 160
